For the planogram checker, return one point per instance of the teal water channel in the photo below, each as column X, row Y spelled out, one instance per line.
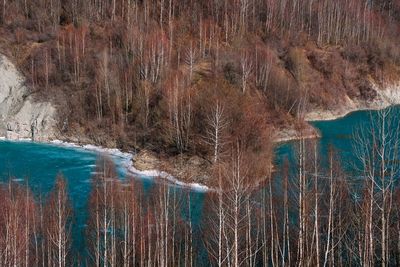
column 38, row 164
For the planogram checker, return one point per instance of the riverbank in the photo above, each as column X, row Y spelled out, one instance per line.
column 295, row 133
column 189, row 169
column 385, row 97
column 127, row 161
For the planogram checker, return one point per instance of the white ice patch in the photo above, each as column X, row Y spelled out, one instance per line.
column 126, row 162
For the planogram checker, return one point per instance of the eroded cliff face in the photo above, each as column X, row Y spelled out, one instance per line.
column 20, row 115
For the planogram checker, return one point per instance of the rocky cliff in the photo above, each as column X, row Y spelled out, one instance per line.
column 21, row 116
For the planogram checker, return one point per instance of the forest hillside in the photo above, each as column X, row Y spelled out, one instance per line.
column 195, row 77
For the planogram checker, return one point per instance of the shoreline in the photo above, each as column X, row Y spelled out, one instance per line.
column 385, row 98
column 287, row 136
column 126, row 161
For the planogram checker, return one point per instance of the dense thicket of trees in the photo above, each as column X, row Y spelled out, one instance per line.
column 153, row 73
column 33, row 232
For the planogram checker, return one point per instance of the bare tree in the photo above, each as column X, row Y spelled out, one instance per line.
column 377, row 150
column 246, row 65
column 58, row 213
column 217, row 124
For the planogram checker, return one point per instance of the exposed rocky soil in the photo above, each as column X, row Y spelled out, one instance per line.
column 383, row 97
column 380, row 98
column 20, row 115
column 295, row 132
column 188, row 168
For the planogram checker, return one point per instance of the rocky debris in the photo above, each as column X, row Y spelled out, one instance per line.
column 187, row 168
column 294, row 133
column 146, row 160
column 190, row 168
column 20, row 115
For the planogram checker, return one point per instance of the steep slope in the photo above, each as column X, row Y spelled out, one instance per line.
column 20, row 115
column 167, row 75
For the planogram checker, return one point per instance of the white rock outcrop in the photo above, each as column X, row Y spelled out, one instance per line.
column 20, row 115
column 386, row 96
